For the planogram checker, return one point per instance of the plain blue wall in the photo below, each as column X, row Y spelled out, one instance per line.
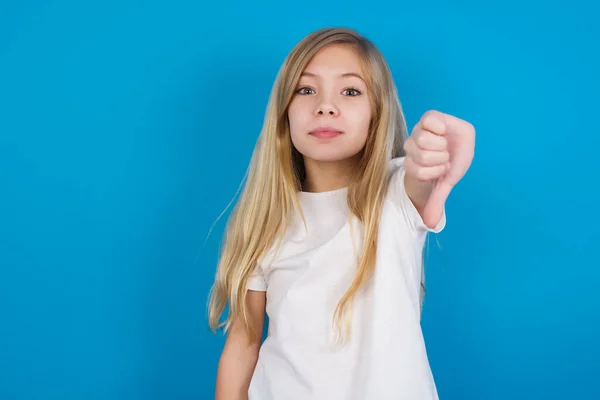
column 126, row 127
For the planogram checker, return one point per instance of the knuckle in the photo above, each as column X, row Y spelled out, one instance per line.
column 421, row 174
column 419, row 140
column 444, row 142
column 424, row 157
column 427, row 158
column 430, row 114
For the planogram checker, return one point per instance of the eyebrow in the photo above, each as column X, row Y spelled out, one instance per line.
column 344, row 75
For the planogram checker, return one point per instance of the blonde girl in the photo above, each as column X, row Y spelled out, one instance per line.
column 328, row 234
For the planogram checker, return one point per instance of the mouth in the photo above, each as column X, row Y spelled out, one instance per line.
column 326, row 133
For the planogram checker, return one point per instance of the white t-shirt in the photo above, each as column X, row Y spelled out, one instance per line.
column 385, row 357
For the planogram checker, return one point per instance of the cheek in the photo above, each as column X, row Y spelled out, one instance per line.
column 360, row 119
column 297, row 119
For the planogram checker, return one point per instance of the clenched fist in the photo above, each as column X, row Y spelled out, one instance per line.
column 439, row 150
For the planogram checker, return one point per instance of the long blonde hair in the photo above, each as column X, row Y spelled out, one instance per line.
column 276, row 170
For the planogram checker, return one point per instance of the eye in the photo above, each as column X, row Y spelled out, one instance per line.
column 352, row 92
column 305, row 91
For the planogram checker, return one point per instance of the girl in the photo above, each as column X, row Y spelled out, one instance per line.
column 328, row 234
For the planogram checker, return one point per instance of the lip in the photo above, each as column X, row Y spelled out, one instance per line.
column 326, row 132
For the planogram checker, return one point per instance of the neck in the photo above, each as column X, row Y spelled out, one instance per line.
column 325, row 176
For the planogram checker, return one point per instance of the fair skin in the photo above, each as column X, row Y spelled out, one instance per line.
column 332, row 93
column 240, row 353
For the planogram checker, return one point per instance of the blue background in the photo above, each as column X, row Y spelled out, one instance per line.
column 126, row 128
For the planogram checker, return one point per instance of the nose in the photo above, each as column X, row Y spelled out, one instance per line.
column 326, row 107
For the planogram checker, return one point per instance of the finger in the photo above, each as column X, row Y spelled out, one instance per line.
column 457, row 125
column 426, row 140
column 425, row 158
column 434, row 208
column 434, row 122
column 423, row 173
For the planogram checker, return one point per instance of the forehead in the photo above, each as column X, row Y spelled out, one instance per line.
column 336, row 59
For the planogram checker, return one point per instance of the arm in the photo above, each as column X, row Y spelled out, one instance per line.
column 240, row 352
column 418, row 192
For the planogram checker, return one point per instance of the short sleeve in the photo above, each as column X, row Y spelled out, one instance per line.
column 257, row 281
column 403, row 203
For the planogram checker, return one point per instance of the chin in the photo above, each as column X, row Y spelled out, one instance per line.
column 329, row 155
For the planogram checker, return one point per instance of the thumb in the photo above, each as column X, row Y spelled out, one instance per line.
column 434, row 208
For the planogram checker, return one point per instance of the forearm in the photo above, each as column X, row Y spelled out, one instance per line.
column 418, row 192
column 235, row 370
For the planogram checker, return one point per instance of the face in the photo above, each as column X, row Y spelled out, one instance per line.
column 330, row 112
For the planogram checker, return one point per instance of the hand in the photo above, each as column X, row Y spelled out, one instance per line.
column 439, row 150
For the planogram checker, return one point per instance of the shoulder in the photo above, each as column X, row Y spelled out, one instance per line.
column 397, row 161
column 395, row 164
column 396, row 168
column 395, row 176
